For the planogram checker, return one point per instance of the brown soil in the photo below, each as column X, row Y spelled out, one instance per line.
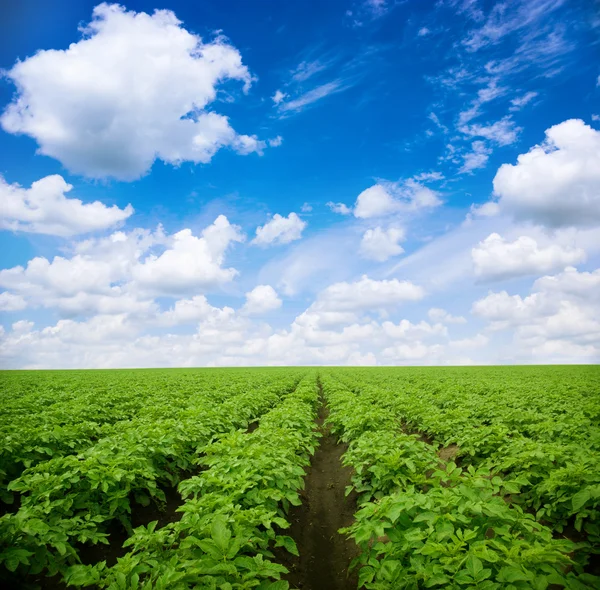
column 449, row 453
column 140, row 516
column 325, row 555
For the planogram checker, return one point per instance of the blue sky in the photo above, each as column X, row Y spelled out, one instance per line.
column 233, row 183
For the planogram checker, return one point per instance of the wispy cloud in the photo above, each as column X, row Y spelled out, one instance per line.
column 505, row 19
column 476, row 158
column 320, row 74
column 307, row 69
column 502, row 132
column 312, row 96
column 519, row 102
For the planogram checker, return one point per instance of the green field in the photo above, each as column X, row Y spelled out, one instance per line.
column 481, row 477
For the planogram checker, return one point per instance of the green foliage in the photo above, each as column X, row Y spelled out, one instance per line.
column 531, row 446
column 72, row 498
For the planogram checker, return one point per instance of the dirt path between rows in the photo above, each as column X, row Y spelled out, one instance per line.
column 324, row 554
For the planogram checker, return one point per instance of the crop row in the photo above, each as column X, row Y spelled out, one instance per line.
column 233, row 515
column 425, row 522
column 546, row 433
column 72, row 499
column 68, row 415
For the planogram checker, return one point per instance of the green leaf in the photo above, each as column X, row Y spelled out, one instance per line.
column 220, row 533
column 580, row 498
column 512, row 574
column 474, row 565
column 288, row 543
column 512, row 487
column 13, row 557
column 437, row 580
column 365, row 575
column 428, row 516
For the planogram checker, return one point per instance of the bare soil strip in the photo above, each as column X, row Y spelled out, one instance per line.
column 324, row 554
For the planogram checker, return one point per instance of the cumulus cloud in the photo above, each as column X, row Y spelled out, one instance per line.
column 374, row 201
column 559, row 320
column 366, row 294
column 411, row 352
column 488, row 209
column 340, row 208
column 190, row 262
column 557, row 183
column 44, row 209
column 380, row 244
column 121, row 273
column 477, row 341
column 280, row 230
column 262, row 299
column 496, row 258
column 11, row 302
column 406, row 330
column 134, row 89
column 193, row 310
column 440, row 315
column 383, row 199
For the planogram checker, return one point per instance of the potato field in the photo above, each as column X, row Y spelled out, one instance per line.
column 311, row 478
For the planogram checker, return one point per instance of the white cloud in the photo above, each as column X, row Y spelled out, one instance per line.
column 190, row 262
column 306, row 208
column 423, row 31
column 559, row 320
column 374, row 201
column 196, row 309
column 133, row 90
column 477, row 158
column 478, row 341
column 307, row 69
column 437, row 314
column 278, row 97
column 262, row 299
column 519, row 102
column 275, row 141
column 377, row 7
column 122, row 273
column 45, row 209
column 312, row 96
column 557, row 183
column 406, row 330
column 496, row 258
column 501, row 22
column 580, row 285
column 488, row 209
column 435, row 119
column 380, row 244
column 502, row 132
column 411, row 352
column 340, row 208
column 428, row 176
column 383, row 199
column 367, row 294
column 484, row 95
column 280, row 230
column 11, row 302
